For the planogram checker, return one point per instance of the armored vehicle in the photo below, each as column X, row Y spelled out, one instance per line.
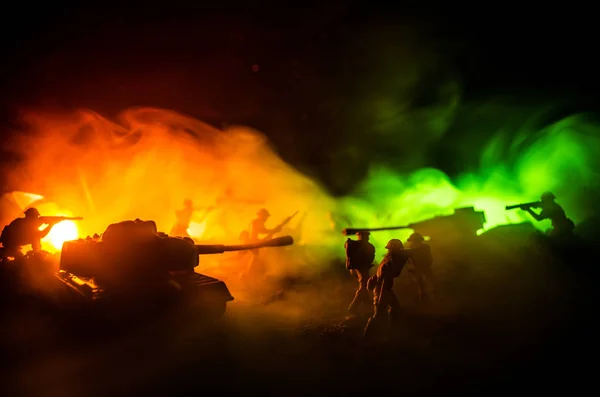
column 463, row 223
column 133, row 270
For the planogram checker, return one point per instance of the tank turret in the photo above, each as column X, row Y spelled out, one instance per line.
column 464, row 223
column 132, row 259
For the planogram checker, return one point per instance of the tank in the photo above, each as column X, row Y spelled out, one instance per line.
column 134, row 269
column 463, row 223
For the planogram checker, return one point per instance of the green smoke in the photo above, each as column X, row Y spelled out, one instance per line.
column 515, row 167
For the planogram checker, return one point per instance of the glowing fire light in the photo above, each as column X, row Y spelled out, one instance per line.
column 61, row 232
column 196, row 230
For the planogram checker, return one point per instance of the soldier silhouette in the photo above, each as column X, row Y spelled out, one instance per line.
column 562, row 227
column 382, row 284
column 360, row 255
column 25, row 231
column 259, row 231
column 421, row 261
column 184, row 217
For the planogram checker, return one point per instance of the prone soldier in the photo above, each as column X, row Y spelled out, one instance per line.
column 360, row 255
column 382, row 283
column 562, row 227
column 421, row 260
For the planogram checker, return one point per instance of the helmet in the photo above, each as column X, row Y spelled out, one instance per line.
column 394, row 244
column 263, row 213
column 32, row 212
column 363, row 233
column 187, row 203
column 415, row 237
column 548, row 196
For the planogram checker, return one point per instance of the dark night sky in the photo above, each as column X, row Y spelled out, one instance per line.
column 198, row 60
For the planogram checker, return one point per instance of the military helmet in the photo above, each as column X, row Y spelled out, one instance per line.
column 32, row 212
column 187, row 202
column 416, row 237
column 263, row 213
column 363, row 233
column 548, row 196
column 394, row 244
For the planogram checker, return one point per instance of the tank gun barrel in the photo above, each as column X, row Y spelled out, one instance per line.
column 219, row 249
column 350, row 231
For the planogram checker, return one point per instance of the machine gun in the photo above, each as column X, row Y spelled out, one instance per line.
column 533, row 204
column 464, row 222
column 52, row 220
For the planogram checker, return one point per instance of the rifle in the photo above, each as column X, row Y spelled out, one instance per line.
column 53, row 220
column 533, row 204
column 281, row 225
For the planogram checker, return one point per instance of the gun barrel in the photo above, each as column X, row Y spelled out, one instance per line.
column 60, row 218
column 350, row 231
column 219, row 249
column 515, row 206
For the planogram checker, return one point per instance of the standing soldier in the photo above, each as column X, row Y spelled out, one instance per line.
column 382, row 284
column 561, row 225
column 259, row 231
column 421, row 260
column 360, row 255
column 184, row 217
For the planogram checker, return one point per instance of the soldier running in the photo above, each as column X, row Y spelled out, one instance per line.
column 421, row 260
column 257, row 230
column 562, row 227
column 360, row 255
column 382, row 284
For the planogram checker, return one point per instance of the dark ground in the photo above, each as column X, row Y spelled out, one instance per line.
column 509, row 321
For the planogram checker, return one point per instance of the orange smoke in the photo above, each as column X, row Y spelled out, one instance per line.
column 148, row 162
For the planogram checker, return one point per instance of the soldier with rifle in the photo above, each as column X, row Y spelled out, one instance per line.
column 360, row 254
column 26, row 231
column 382, row 284
column 562, row 227
column 257, row 230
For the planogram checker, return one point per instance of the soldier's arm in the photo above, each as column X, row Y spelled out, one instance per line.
column 538, row 217
column 44, row 232
column 371, row 253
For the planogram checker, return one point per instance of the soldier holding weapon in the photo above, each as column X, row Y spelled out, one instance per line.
column 26, row 231
column 562, row 227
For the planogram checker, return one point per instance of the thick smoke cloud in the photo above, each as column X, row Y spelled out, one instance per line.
column 147, row 163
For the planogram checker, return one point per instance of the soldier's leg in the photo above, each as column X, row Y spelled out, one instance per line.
column 420, row 282
column 353, row 308
column 394, row 309
column 429, row 283
column 377, row 322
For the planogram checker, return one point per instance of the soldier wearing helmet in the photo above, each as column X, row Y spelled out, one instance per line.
column 421, row 260
column 24, row 231
column 561, row 225
column 258, row 231
column 382, row 283
column 360, row 254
